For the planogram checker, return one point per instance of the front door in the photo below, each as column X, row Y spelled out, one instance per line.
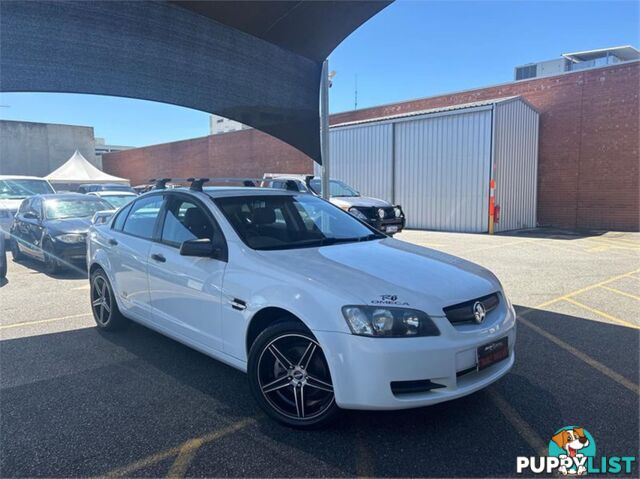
column 186, row 291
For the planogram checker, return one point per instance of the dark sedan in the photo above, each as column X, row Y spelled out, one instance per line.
column 53, row 228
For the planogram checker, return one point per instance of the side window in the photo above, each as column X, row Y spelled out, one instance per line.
column 185, row 221
column 142, row 217
column 119, row 221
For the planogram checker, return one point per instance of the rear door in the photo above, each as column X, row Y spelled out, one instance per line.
column 128, row 248
column 185, row 291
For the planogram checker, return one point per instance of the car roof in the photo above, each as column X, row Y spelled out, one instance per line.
column 104, row 184
column 231, row 191
column 21, row 177
column 112, row 193
column 64, row 196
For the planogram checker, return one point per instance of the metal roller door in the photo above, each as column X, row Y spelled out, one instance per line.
column 442, row 170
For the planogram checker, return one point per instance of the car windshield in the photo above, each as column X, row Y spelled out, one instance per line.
column 58, row 209
column 272, row 222
column 117, row 200
column 336, row 188
column 20, row 189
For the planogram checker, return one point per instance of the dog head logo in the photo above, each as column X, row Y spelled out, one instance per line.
column 571, row 440
column 576, row 445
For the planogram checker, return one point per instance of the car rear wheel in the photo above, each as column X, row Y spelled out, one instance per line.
column 103, row 304
column 289, row 376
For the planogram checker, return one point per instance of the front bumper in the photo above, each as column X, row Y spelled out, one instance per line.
column 71, row 252
column 390, row 226
column 362, row 369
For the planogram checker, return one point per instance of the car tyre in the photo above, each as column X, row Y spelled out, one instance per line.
column 289, row 376
column 3, row 257
column 51, row 263
column 104, row 307
column 16, row 254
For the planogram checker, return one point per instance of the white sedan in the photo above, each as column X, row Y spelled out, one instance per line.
column 117, row 199
column 322, row 311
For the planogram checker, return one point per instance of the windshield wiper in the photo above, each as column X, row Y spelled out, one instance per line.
column 355, row 239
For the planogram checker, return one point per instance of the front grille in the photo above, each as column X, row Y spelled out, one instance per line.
column 463, row 312
column 372, row 212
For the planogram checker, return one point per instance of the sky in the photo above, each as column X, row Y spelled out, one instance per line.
column 412, row 49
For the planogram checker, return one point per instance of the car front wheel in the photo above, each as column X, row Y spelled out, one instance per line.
column 15, row 250
column 51, row 263
column 289, row 376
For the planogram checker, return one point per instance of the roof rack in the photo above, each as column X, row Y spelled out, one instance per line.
column 196, row 184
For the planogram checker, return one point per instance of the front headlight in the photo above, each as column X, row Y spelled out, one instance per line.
column 388, row 322
column 358, row 214
column 397, row 211
column 71, row 238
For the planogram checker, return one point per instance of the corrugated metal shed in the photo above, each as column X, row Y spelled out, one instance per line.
column 438, row 163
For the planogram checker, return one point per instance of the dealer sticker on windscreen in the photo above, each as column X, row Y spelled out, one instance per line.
column 492, row 353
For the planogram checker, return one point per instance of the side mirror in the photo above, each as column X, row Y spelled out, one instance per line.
column 198, row 247
column 30, row 216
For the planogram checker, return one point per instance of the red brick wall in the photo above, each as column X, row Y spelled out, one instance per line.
column 247, row 153
column 588, row 155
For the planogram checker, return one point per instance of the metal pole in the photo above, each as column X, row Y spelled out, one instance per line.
column 324, row 128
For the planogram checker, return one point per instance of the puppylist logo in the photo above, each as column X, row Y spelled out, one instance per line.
column 572, row 451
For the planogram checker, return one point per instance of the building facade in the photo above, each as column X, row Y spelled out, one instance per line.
column 36, row 149
column 571, row 62
column 220, row 124
column 588, row 147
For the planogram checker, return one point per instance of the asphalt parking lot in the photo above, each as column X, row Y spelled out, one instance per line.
column 77, row 402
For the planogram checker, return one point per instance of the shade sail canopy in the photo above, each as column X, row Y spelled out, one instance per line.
column 255, row 62
column 77, row 170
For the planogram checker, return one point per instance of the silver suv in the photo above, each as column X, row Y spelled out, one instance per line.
column 378, row 213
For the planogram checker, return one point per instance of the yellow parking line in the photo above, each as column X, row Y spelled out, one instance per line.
column 602, row 313
column 610, row 373
column 161, row 456
column 364, row 458
column 523, row 428
column 587, row 288
column 623, row 293
column 613, row 244
column 42, row 321
column 498, row 245
column 185, row 456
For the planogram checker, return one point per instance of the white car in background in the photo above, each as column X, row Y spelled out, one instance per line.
column 321, row 310
column 14, row 189
column 117, row 199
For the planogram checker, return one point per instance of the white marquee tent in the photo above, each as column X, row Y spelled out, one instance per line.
column 77, row 170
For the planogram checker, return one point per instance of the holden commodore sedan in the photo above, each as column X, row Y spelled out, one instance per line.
column 281, row 285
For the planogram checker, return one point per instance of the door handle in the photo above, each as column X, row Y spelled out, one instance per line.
column 158, row 257
column 113, row 242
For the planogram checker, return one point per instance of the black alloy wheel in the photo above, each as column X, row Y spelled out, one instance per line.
column 290, row 378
